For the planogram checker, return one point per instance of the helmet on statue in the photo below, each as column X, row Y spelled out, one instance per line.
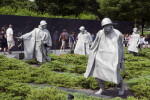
column 106, row 21
column 43, row 22
column 82, row 28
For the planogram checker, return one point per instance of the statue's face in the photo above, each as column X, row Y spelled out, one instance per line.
column 44, row 26
column 135, row 30
column 107, row 28
column 82, row 31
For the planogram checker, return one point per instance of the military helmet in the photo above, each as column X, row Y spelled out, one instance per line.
column 106, row 21
column 134, row 29
column 82, row 28
column 43, row 22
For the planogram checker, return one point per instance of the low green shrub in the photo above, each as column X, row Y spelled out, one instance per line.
column 84, row 97
column 137, row 68
column 77, row 69
column 145, row 52
column 70, row 59
column 15, row 90
column 132, row 58
column 67, row 63
column 47, row 94
column 67, row 71
column 11, row 64
column 140, row 87
column 32, row 61
column 8, row 96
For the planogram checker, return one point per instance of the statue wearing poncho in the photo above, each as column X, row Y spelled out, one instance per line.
column 83, row 43
column 106, row 56
column 134, row 41
column 37, row 43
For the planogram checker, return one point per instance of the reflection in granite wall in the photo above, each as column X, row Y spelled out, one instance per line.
column 24, row 24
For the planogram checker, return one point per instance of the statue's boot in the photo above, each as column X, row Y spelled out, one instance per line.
column 102, row 86
column 121, row 90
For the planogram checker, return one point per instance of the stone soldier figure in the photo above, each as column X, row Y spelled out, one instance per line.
column 106, row 57
column 37, row 43
column 83, row 43
column 134, row 42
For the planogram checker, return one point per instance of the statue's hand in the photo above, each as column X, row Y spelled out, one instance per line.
column 44, row 42
column 85, row 75
column 18, row 38
column 122, row 65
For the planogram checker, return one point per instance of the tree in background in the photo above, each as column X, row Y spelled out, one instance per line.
column 141, row 10
column 130, row 10
column 67, row 7
column 116, row 9
column 6, row 2
column 24, row 4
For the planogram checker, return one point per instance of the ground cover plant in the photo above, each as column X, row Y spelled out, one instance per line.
column 67, row 71
column 145, row 52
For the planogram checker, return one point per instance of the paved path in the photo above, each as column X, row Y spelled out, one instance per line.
column 58, row 52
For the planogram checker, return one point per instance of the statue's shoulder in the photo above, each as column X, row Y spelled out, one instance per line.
column 88, row 33
column 135, row 35
column 46, row 30
column 100, row 32
column 36, row 29
column 138, row 35
column 118, row 32
column 79, row 34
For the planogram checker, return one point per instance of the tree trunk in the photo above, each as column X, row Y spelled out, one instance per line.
column 143, row 26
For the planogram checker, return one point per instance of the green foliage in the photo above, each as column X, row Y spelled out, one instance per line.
column 88, row 83
column 77, row 69
column 132, row 58
column 64, row 79
column 130, row 10
column 11, row 64
column 141, row 10
column 32, row 61
column 7, row 96
column 87, row 16
column 140, row 86
column 7, row 10
column 145, row 32
column 72, row 9
column 67, row 7
column 46, row 94
column 84, row 97
column 67, row 71
column 18, row 75
column 70, row 59
column 136, row 66
column 11, row 90
column 116, row 9
column 14, row 90
column 145, row 52
column 67, row 63
column 57, row 66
